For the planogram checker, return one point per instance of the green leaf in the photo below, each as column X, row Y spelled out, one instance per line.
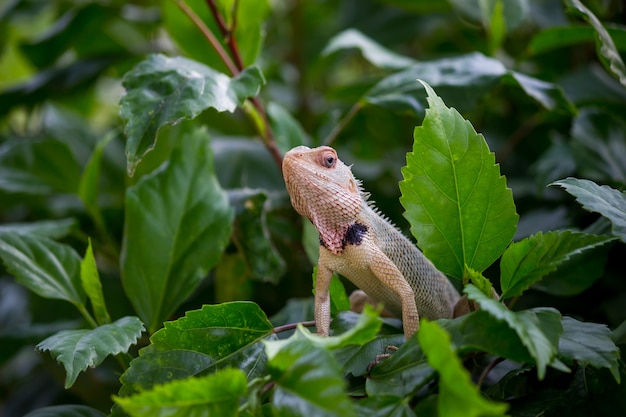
column 79, row 349
column 576, row 274
column 605, row 200
column 90, row 279
column 529, row 260
column 561, row 36
column 372, row 51
column 67, row 410
column 215, row 329
column 607, row 52
column 513, row 11
column 262, row 260
column 589, row 344
column 307, row 379
column 403, row 374
column 178, row 222
column 213, row 395
column 357, row 359
column 460, row 81
column 214, row 337
column 384, row 405
column 599, row 145
column 88, row 186
column 363, row 332
column 478, row 279
column 54, row 229
column 497, row 26
column 457, row 203
column 287, row 130
column 249, row 16
column 48, row 268
column 528, row 328
column 163, row 91
column 457, row 394
column 38, row 167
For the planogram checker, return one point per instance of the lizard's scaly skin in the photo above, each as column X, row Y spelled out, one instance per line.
column 361, row 244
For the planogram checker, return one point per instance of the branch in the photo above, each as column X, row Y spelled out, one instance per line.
column 209, row 36
column 228, row 33
column 292, row 326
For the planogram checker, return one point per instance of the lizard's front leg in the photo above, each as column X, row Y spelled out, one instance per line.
column 390, row 276
column 322, row 299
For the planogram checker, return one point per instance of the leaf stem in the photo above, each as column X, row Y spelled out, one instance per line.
column 83, row 311
column 488, row 369
column 208, row 35
column 258, row 114
column 292, row 326
column 342, row 123
column 228, row 33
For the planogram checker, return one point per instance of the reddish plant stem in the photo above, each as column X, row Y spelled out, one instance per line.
column 228, row 33
column 229, row 37
column 488, row 369
column 292, row 326
column 208, row 35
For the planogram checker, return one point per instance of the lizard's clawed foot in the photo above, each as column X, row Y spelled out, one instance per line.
column 379, row 358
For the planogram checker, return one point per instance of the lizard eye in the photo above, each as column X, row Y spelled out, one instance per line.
column 328, row 160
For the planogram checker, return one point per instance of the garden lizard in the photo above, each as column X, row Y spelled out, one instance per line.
column 361, row 244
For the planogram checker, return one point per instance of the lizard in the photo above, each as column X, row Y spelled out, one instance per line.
column 361, row 244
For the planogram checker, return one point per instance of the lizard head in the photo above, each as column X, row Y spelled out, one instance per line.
column 323, row 189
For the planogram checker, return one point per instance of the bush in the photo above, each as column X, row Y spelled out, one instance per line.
column 142, row 201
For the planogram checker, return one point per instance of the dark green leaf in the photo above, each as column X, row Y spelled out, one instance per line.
column 514, row 11
column 356, row 359
column 372, row 51
column 402, row 374
column 542, row 346
column 529, row 260
column 57, row 82
column 457, row 203
column 93, row 287
column 576, row 274
column 384, row 405
column 307, row 380
column 73, row 27
column 79, row 349
column 457, row 394
column 212, row 395
column 44, row 266
column 215, row 329
column 605, row 200
column 263, row 261
column 89, row 181
column 214, row 337
column 53, row 229
column 287, row 131
column 607, row 52
column 38, row 167
column 68, row 410
column 162, row 91
column 178, row 221
column 589, row 344
column 599, row 145
column 561, row 36
column 460, row 81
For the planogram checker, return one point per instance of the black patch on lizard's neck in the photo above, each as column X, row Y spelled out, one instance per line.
column 354, row 235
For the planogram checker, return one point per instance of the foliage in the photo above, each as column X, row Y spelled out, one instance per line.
column 148, row 137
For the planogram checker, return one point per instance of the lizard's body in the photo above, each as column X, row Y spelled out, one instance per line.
column 360, row 244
